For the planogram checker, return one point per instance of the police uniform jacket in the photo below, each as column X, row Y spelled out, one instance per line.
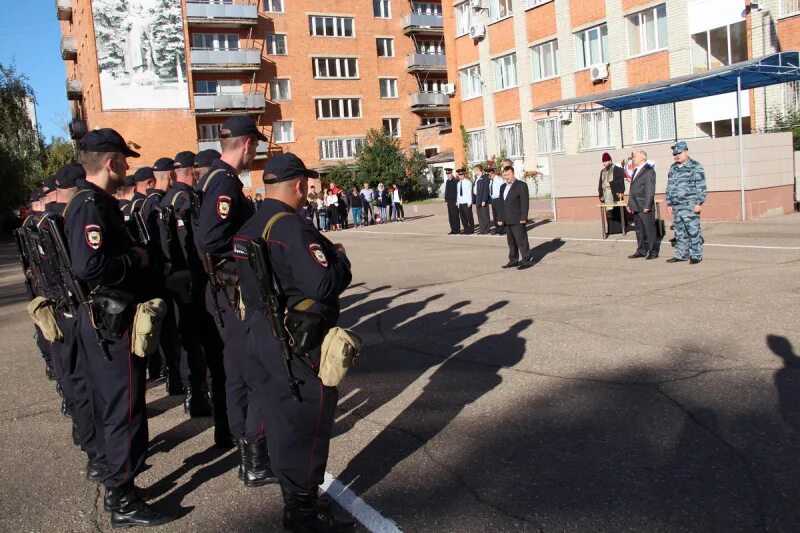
column 137, row 201
column 180, row 247
column 686, row 185
column 125, row 207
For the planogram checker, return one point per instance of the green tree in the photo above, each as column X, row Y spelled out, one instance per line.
column 788, row 121
column 465, row 146
column 342, row 175
column 381, row 159
column 419, row 182
column 57, row 153
column 168, row 36
column 20, row 148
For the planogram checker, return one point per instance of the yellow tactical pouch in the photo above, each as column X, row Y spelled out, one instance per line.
column 180, row 283
column 339, row 352
column 147, row 326
column 43, row 314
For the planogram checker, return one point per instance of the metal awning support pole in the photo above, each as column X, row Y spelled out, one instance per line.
column 675, row 119
column 621, row 132
column 741, row 141
column 552, row 185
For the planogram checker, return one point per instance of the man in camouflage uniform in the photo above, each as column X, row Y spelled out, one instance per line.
column 685, row 195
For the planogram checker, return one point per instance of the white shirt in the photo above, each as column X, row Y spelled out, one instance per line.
column 396, row 196
column 332, row 199
column 464, row 192
column 497, row 182
column 508, row 188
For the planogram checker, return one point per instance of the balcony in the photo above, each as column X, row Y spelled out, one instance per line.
column 426, row 62
column 74, row 89
column 213, row 144
column 64, row 10
column 229, row 104
column 207, row 13
column 424, row 101
column 419, row 23
column 208, row 60
column 77, row 129
column 69, row 49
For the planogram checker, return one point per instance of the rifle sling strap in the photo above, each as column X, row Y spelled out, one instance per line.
column 303, row 305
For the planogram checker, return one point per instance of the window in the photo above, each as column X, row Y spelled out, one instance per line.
column 388, row 87
column 545, row 60
column 205, row 86
column 280, row 90
column 595, row 130
column 789, row 7
column 272, row 6
column 425, row 8
column 345, row 148
column 534, row 3
column 430, row 152
column 654, row 123
column 385, row 46
column 391, row 127
column 218, row 86
column 276, row 44
column 209, row 132
column 283, row 131
column 338, row 108
column 719, row 47
column 470, row 82
column 465, row 17
column 647, row 30
column 505, row 72
column 476, row 148
column 510, row 138
column 430, row 47
column 427, row 121
column 382, row 8
column 550, row 135
column 725, row 127
column 499, row 9
column 431, row 85
column 335, row 67
column 331, row 26
column 592, row 46
column 215, row 41
column 791, row 96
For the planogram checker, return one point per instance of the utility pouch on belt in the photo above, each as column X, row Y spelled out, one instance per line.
column 43, row 314
column 180, row 283
column 147, row 326
column 114, row 310
column 306, row 331
column 339, row 352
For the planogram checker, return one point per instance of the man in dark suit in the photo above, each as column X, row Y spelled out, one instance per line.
column 514, row 217
column 482, row 198
column 450, row 197
column 641, row 203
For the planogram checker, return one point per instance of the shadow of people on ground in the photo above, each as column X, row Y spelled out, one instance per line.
column 539, row 251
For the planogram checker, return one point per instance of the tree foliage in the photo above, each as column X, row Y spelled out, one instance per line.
column 57, row 153
column 343, row 175
column 380, row 160
column 788, row 120
column 170, row 53
column 109, row 20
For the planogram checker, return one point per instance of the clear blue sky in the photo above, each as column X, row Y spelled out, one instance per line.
column 30, row 38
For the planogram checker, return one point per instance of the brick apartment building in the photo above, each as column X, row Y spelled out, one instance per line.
column 509, row 56
column 314, row 76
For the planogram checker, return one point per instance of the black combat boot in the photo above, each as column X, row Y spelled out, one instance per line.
column 174, row 385
column 197, row 404
column 302, row 513
column 59, row 390
column 241, row 444
column 129, row 510
column 257, row 471
column 95, row 470
column 187, row 399
column 65, row 409
column 76, row 440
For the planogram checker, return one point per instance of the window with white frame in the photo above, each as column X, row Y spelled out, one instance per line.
column 654, row 123
column 647, row 30
column 391, row 127
column 283, row 131
column 427, row 121
column 476, row 148
column 209, row 132
column 429, row 46
column 280, row 90
column 550, row 135
column 790, row 7
column 276, row 44
column 470, row 82
column 270, row 6
column 206, row 86
column 465, row 18
column 534, row 3
column 382, row 8
column 791, row 96
column 510, row 140
column 505, row 72
column 344, row 148
column 326, row 68
column 591, row 46
column 719, row 47
column 426, row 8
column 595, row 129
column 545, row 60
column 388, row 87
column 215, row 41
column 431, row 85
column 320, row 26
column 385, row 46
column 499, row 9
column 328, row 108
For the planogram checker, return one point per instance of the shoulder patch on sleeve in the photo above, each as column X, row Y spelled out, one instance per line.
column 94, row 236
column 223, row 206
column 317, row 254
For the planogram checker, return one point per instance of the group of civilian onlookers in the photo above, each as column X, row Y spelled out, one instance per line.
column 331, row 208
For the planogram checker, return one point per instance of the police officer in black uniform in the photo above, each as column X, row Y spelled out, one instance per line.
column 224, row 209
column 203, row 161
column 125, row 196
column 104, row 258
column 143, row 179
column 307, row 267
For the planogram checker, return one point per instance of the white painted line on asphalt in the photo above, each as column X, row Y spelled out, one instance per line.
column 349, row 395
column 358, row 508
column 351, row 411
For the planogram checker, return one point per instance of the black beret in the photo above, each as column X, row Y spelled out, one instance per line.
column 240, row 126
column 143, row 174
column 105, row 140
column 184, row 159
column 284, row 167
column 69, row 174
column 165, row 163
column 204, row 158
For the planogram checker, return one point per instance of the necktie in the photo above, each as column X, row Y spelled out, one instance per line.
column 635, row 170
column 460, row 188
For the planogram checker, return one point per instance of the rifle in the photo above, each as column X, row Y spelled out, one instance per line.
column 273, row 309
column 35, row 268
column 54, row 226
column 141, row 228
column 23, row 257
column 213, row 279
column 48, row 245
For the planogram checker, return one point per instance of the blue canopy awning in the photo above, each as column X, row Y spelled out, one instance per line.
column 781, row 67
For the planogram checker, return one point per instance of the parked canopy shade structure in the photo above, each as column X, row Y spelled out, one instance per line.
column 781, row 67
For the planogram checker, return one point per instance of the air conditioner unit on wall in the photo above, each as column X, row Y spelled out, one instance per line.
column 477, row 31
column 565, row 117
column 477, row 5
column 599, row 72
column 449, row 89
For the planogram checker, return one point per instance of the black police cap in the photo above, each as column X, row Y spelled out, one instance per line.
column 284, row 167
column 37, row 194
column 49, row 183
column 130, row 180
column 165, row 163
column 184, row 159
column 68, row 175
column 240, row 126
column 105, row 140
column 143, row 174
column 205, row 158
